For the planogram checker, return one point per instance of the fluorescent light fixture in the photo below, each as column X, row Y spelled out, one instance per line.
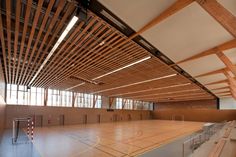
column 61, row 38
column 181, row 91
column 76, row 86
column 146, row 90
column 136, row 83
column 129, row 65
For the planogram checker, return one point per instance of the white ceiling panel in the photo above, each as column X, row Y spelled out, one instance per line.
column 231, row 54
column 202, row 65
column 137, row 13
column 186, row 33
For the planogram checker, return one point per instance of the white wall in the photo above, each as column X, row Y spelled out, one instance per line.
column 227, row 103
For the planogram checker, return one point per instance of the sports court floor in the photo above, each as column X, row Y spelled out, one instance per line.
column 109, row 139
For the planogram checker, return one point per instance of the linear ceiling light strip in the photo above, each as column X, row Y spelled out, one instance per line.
column 146, row 90
column 61, row 38
column 136, row 83
column 119, row 69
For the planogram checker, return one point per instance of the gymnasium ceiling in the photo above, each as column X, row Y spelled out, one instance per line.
column 118, row 53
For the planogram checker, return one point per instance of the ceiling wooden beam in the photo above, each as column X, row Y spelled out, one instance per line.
column 225, row 46
column 227, row 87
column 223, row 92
column 218, row 82
column 178, row 5
column 220, row 14
column 211, row 72
column 227, row 62
column 232, row 83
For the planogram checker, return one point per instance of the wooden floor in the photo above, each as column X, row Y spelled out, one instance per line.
column 109, row 139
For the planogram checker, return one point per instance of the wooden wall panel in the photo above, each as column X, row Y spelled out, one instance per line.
column 197, row 104
column 72, row 115
column 201, row 115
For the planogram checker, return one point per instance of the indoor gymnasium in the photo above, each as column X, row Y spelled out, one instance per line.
column 117, row 78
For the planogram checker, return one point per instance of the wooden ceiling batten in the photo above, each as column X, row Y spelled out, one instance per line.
column 53, row 64
column 18, row 8
column 8, row 20
column 3, row 49
column 40, row 4
column 58, row 28
column 26, row 19
column 52, row 23
column 75, row 56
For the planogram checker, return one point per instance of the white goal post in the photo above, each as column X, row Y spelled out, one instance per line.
column 29, row 121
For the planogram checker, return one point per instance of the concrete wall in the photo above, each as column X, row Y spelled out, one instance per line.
column 2, row 101
column 198, row 104
column 71, row 115
column 202, row 115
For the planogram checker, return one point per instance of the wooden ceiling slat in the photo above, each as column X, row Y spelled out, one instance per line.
column 113, row 58
column 70, row 11
column 79, row 59
column 222, row 15
column 2, row 38
column 60, row 65
column 53, row 64
column 8, row 20
column 41, row 29
column 40, row 54
column 26, row 21
column 32, row 32
column 17, row 22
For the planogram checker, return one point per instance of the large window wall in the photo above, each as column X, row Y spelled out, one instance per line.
column 21, row 95
column 130, row 104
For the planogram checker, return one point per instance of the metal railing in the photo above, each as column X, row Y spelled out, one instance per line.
column 198, row 139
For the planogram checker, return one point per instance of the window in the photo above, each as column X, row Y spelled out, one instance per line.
column 98, row 103
column 59, row 98
column 21, row 95
column 118, row 103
